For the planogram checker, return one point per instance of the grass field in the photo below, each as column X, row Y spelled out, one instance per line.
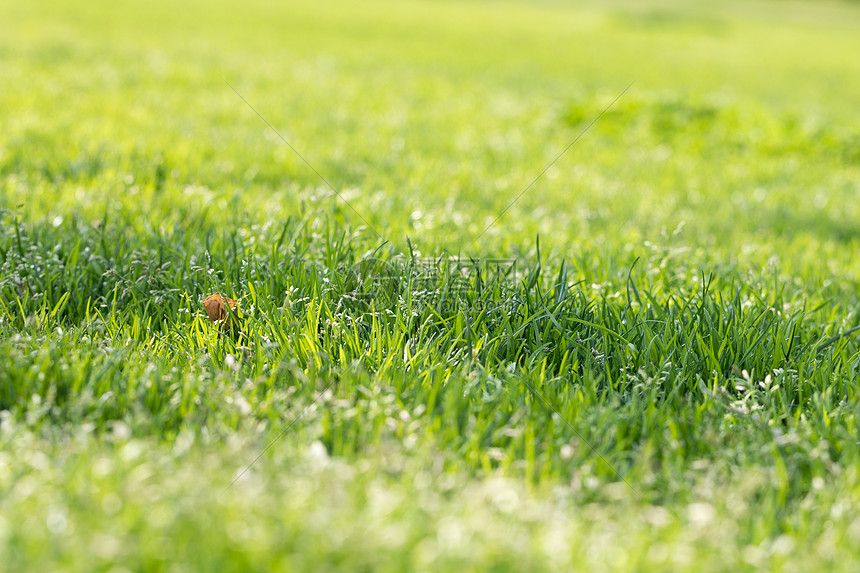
column 665, row 379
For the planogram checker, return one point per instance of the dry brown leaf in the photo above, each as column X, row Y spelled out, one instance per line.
column 217, row 310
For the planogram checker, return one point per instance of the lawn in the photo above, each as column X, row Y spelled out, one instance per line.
column 459, row 347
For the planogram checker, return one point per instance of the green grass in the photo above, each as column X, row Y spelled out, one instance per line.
column 669, row 382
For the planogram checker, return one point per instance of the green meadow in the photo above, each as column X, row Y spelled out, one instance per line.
column 461, row 348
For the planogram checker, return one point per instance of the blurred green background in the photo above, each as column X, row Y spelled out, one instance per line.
column 431, row 117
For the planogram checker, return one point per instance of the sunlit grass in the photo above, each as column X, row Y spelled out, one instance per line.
column 683, row 302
